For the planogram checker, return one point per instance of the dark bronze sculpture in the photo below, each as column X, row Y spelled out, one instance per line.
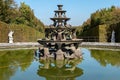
column 60, row 38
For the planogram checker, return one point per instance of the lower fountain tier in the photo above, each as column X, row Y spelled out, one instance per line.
column 60, row 28
column 62, row 41
column 61, row 49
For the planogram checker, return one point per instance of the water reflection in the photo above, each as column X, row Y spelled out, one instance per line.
column 10, row 61
column 21, row 65
column 106, row 57
column 60, row 70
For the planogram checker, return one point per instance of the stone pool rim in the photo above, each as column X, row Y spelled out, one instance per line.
column 35, row 45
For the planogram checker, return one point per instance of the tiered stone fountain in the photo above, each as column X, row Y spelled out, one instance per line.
column 60, row 39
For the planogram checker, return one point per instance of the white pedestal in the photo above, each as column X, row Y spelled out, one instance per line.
column 10, row 40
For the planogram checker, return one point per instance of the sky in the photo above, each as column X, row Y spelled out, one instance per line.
column 78, row 10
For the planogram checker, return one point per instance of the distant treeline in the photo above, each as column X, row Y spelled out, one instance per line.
column 107, row 19
column 10, row 13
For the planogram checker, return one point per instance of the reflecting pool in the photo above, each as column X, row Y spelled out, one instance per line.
column 95, row 65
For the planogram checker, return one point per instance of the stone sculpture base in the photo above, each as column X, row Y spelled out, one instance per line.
column 10, row 40
column 60, row 51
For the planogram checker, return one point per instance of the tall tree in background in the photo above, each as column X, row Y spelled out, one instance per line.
column 11, row 14
column 104, row 16
column 27, row 17
column 7, row 10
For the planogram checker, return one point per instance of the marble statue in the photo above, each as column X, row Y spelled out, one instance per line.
column 10, row 36
column 113, row 37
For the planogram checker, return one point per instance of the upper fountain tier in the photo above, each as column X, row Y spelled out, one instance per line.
column 60, row 19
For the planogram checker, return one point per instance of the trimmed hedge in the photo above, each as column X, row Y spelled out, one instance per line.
column 117, row 32
column 22, row 33
column 103, row 33
column 98, row 34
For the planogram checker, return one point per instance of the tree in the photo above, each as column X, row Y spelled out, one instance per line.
column 7, row 10
column 11, row 14
column 27, row 17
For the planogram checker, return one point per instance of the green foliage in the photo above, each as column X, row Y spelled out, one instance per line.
column 7, row 10
column 11, row 14
column 10, row 61
column 102, row 31
column 106, row 57
column 28, row 18
column 109, row 17
column 104, row 16
column 22, row 33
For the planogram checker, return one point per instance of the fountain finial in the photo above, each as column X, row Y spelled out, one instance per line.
column 60, row 7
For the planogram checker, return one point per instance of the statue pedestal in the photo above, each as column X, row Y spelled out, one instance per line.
column 10, row 40
column 10, row 36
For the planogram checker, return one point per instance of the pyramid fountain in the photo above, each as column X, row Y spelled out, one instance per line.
column 60, row 39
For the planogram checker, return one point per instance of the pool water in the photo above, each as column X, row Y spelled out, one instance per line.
column 95, row 65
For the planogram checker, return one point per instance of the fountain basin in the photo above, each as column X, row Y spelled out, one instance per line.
column 60, row 41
